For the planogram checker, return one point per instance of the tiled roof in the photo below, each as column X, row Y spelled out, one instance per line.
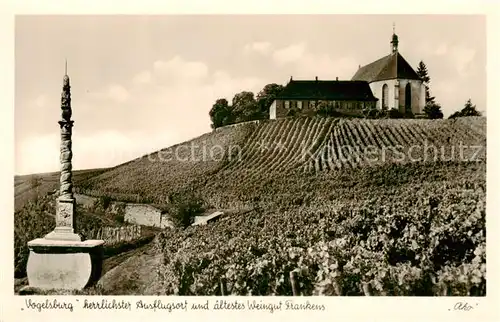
column 389, row 67
column 327, row 90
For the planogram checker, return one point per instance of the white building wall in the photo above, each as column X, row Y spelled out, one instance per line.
column 272, row 111
column 376, row 88
column 421, row 102
column 396, row 100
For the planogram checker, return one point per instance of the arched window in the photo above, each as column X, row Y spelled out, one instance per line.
column 408, row 98
column 385, row 97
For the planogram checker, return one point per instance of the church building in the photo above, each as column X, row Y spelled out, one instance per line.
column 387, row 83
column 394, row 82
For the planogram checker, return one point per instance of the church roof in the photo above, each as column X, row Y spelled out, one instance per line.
column 327, row 90
column 389, row 67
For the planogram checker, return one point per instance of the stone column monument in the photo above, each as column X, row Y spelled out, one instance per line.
column 65, row 208
column 61, row 260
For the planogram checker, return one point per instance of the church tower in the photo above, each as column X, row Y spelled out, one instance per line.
column 394, row 82
column 394, row 41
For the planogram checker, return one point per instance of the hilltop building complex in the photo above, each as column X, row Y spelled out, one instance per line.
column 387, row 83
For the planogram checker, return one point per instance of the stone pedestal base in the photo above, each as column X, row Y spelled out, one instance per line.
column 64, row 264
column 65, row 221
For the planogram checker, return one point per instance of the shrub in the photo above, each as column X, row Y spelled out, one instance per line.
column 120, row 217
column 372, row 113
column 105, row 201
column 394, row 113
column 183, row 208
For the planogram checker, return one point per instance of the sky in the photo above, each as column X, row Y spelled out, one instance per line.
column 143, row 83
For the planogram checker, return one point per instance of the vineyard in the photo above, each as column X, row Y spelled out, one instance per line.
column 347, row 206
column 360, row 143
column 251, row 154
column 415, row 245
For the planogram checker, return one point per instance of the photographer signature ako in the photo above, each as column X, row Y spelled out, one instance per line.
column 462, row 306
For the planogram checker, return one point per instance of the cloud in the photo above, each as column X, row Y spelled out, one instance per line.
column 289, row 54
column 326, row 67
column 118, row 93
column 151, row 117
column 143, row 77
column 298, row 59
column 462, row 58
column 263, row 47
column 177, row 70
column 458, row 57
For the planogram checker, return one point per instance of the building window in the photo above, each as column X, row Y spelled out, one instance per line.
column 385, row 97
column 299, row 105
column 408, row 98
column 287, row 104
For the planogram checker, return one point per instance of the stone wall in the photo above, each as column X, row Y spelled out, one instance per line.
column 147, row 215
column 134, row 213
column 116, row 235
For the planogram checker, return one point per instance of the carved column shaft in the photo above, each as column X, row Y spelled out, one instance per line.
column 66, row 184
column 65, row 211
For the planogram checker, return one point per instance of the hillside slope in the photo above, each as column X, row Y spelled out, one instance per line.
column 155, row 176
column 347, row 223
column 219, row 164
column 28, row 187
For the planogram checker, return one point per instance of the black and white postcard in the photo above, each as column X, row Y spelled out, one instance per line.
column 255, row 166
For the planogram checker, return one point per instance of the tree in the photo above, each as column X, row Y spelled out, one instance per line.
column 468, row 110
column 220, row 114
column 423, row 73
column 433, row 111
column 244, row 106
column 265, row 98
